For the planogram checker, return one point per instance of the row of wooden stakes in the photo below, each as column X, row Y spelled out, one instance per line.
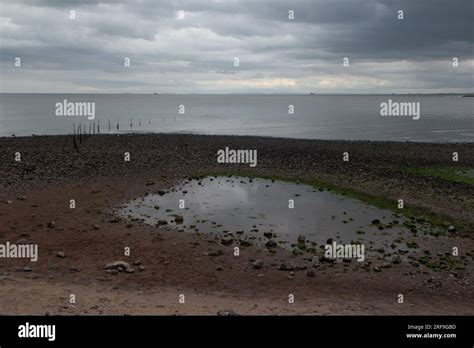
column 81, row 133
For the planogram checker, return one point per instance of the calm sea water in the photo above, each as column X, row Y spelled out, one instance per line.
column 443, row 118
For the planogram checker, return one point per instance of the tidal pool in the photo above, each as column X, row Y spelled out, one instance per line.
column 257, row 210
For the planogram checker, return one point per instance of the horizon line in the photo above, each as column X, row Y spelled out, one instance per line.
column 298, row 94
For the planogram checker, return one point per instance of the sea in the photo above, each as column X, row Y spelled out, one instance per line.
column 442, row 118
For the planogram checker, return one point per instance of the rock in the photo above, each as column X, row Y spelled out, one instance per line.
column 21, row 241
column 156, row 207
column 323, row 258
column 61, row 254
column 311, row 273
column 95, row 227
column 301, row 239
column 129, row 225
column 114, row 220
column 257, row 264
column 75, row 269
column 227, row 241
column 22, row 198
column 51, row 224
column 297, row 251
column 376, row 222
column 271, row 244
column 162, row 222
column 141, row 268
column 161, row 192
column 396, row 259
column 386, row 265
column 25, row 269
column 219, row 268
column 245, row 243
column 239, row 232
column 286, row 267
column 136, row 263
column 129, row 270
column 216, row 253
column 451, row 228
column 268, row 234
column 226, row 313
column 8, row 201
column 118, row 265
column 178, row 219
column 377, row 269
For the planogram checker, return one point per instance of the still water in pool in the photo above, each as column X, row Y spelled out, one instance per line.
column 259, row 210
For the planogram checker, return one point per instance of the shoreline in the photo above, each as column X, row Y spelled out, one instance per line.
column 51, row 172
column 186, row 133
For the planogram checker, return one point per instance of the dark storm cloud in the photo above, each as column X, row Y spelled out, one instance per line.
column 196, row 54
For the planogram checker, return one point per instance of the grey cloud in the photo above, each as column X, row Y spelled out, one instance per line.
column 175, row 55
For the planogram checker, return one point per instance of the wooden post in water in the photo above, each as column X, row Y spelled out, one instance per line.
column 109, row 125
column 118, row 124
column 131, row 122
column 98, row 126
column 74, row 135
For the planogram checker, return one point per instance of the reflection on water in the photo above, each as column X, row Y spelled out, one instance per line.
column 257, row 210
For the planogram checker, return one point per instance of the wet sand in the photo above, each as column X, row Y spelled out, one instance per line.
column 37, row 191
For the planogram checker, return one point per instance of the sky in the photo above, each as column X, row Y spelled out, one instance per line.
column 193, row 46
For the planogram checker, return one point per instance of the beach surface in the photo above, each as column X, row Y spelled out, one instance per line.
column 35, row 196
